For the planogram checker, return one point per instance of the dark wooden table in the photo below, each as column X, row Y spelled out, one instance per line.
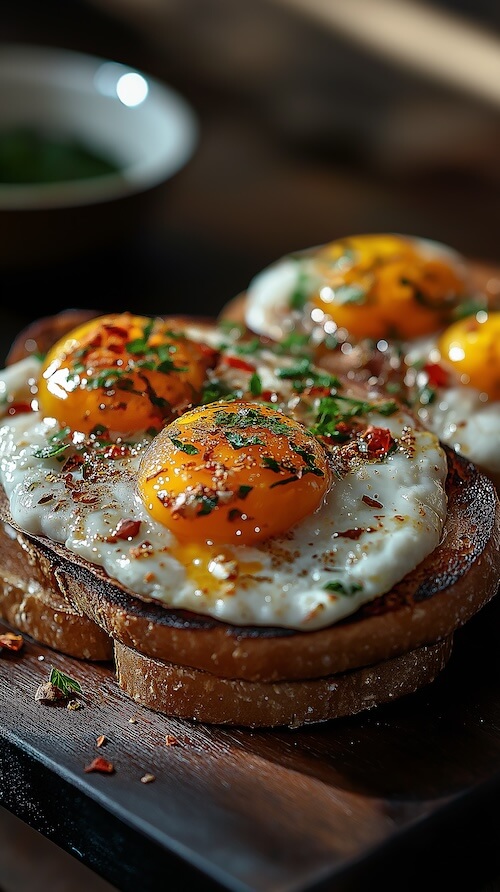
column 404, row 795
column 297, row 147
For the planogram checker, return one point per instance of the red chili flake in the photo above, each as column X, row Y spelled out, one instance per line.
column 18, row 408
column 236, row 363
column 372, row 503
column 318, row 390
column 170, row 740
column 84, row 498
column 69, row 481
column 378, row 441
column 209, row 352
column 101, row 765
column 9, row 641
column 72, row 463
column 127, row 529
column 437, row 376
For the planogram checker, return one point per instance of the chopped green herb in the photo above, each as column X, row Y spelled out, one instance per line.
column 255, row 385
column 64, row 683
column 333, row 410
column 251, row 418
column 239, row 441
column 349, row 294
column 271, row 463
column 243, row 491
column 284, row 482
column 207, row 504
column 57, row 445
column 217, row 390
column 336, row 586
column 301, row 292
column 469, row 307
column 188, row 448
column 247, row 348
column 304, row 371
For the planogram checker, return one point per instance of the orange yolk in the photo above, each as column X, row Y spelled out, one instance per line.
column 471, row 347
column 232, row 473
column 122, row 373
column 382, row 286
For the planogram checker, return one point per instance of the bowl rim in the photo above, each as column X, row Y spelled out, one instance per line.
column 140, row 177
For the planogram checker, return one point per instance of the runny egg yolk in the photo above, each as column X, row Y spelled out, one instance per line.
column 385, row 286
column 122, row 373
column 471, row 347
column 232, row 473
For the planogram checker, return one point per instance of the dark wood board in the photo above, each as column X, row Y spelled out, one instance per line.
column 289, row 810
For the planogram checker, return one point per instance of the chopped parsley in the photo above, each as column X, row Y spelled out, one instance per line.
column 239, row 441
column 188, row 448
column 341, row 589
column 251, row 418
column 58, row 444
column 335, row 410
column 255, row 385
column 64, row 683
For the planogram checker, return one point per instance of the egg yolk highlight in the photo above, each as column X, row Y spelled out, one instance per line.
column 232, row 473
column 122, row 373
column 471, row 348
column 384, row 286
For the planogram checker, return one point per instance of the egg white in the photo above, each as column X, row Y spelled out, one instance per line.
column 269, row 293
column 376, row 523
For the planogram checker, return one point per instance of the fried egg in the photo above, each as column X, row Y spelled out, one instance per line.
column 289, row 501
column 122, row 372
column 383, row 286
column 453, row 381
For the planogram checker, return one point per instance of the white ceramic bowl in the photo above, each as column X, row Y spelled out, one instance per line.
column 145, row 127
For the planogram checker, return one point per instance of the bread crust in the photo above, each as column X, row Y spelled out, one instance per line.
column 32, row 601
column 203, row 697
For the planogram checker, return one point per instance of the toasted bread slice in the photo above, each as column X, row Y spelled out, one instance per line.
column 204, row 697
column 200, row 668
column 33, row 601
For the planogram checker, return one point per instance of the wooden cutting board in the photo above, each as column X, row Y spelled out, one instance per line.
column 331, row 806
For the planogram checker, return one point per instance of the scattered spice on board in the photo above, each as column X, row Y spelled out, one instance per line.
column 48, row 693
column 170, row 740
column 147, row 778
column 59, row 687
column 9, row 641
column 103, row 766
column 101, row 740
column 73, row 704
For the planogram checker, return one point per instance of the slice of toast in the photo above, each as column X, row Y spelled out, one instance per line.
column 204, row 669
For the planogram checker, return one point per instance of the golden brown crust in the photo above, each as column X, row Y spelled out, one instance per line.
column 189, row 693
column 32, row 602
column 41, row 334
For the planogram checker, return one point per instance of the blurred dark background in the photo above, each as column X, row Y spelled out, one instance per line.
column 305, row 136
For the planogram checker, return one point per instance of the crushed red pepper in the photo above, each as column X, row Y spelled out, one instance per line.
column 9, row 641
column 103, row 766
